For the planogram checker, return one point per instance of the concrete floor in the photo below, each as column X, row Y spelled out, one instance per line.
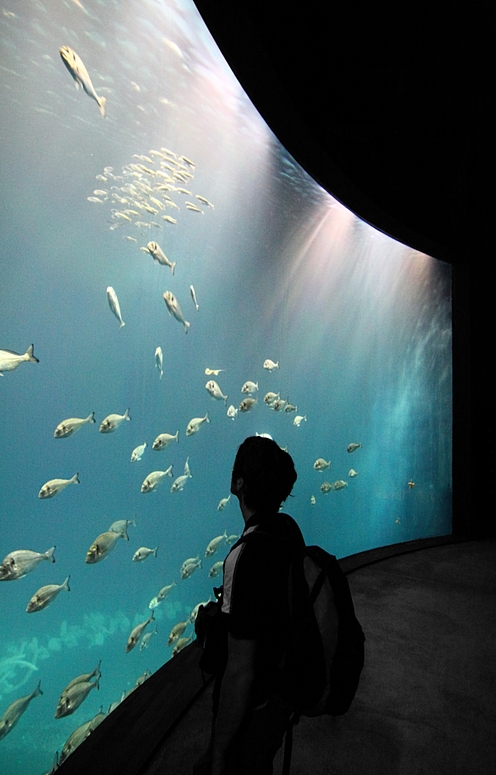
column 427, row 697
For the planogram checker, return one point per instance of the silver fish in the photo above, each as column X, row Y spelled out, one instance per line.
column 114, row 305
column 223, row 503
column 159, row 256
column 215, row 569
column 193, row 296
column 9, row 360
column 84, row 678
column 353, row 447
column 214, row 390
column 181, row 643
column 45, row 595
column 340, row 484
column 103, row 545
column 15, row 711
column 321, row 464
column 159, row 361
column 69, row 427
column 121, row 526
column 232, row 412
column 175, row 310
column 247, row 404
column 194, row 424
column 71, row 699
column 16, row 564
column 194, row 611
column 178, row 484
column 112, row 421
column 176, row 631
column 153, row 479
column 80, row 75
column 166, row 591
column 145, row 640
column 250, row 387
column 54, row 486
column 215, row 543
column 299, row 419
column 137, row 453
column 143, row 552
column 189, row 568
column 270, row 365
column 137, row 632
column 164, row 439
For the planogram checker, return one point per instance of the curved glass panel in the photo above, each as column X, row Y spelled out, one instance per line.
column 358, row 325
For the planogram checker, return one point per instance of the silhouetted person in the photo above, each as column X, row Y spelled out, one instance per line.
column 248, row 724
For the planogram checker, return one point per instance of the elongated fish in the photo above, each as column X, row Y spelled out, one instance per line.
column 15, row 711
column 70, row 426
column 9, row 360
column 80, row 75
column 159, row 256
column 175, row 310
column 114, row 305
column 54, row 486
column 112, row 421
column 137, row 632
column 45, row 595
column 159, row 361
column 16, row 564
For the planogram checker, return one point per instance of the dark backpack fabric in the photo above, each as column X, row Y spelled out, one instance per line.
column 324, row 656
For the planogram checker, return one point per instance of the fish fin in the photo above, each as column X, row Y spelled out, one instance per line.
column 122, row 325
column 92, row 417
column 186, row 326
column 30, row 353
column 173, row 266
column 102, row 101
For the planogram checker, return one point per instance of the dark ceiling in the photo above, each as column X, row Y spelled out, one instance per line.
column 388, row 105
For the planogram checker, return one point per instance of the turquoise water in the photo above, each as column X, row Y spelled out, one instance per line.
column 359, row 324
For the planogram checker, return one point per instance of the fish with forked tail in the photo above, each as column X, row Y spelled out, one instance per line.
column 9, row 360
column 175, row 310
column 80, row 76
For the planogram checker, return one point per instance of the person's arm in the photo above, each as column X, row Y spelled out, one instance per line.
column 235, row 698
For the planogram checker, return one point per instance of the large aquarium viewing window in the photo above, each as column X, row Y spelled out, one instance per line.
column 168, row 268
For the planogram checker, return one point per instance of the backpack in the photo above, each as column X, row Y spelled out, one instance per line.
column 324, row 656
column 320, row 668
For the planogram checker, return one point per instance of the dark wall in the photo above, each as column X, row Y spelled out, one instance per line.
column 389, row 107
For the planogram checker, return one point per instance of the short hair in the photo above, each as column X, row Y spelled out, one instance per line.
column 267, row 471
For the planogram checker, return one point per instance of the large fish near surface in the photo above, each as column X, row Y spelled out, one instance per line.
column 175, row 310
column 9, row 360
column 80, row 75
column 15, row 711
